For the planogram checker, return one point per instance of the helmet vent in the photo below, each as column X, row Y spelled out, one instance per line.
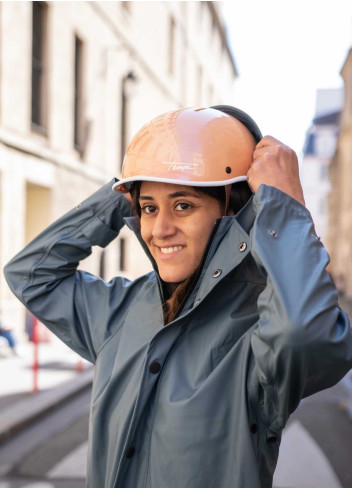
column 228, row 169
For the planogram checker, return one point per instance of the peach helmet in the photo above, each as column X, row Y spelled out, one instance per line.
column 200, row 147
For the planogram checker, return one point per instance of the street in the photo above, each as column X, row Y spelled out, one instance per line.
column 315, row 451
column 316, row 447
column 52, row 451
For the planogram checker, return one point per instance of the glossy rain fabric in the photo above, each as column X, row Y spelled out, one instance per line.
column 202, row 401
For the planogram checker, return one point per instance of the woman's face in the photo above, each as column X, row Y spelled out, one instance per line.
column 176, row 223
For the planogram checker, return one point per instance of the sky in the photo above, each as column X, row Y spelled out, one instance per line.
column 284, row 51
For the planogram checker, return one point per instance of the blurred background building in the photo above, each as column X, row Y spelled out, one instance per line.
column 77, row 80
column 319, row 149
column 340, row 198
column 327, row 178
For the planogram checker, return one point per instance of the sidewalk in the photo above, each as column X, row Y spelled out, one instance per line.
column 61, row 374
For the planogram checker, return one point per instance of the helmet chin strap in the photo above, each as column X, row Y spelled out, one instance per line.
column 227, row 200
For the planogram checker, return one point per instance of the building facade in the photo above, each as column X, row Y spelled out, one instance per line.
column 319, row 149
column 77, row 80
column 340, row 197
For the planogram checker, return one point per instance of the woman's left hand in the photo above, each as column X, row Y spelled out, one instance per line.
column 275, row 164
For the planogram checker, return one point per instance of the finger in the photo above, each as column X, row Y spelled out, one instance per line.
column 268, row 141
column 271, row 146
column 265, row 150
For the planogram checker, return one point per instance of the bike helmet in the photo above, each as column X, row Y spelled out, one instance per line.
column 200, row 147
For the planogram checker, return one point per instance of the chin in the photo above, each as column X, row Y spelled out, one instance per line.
column 173, row 278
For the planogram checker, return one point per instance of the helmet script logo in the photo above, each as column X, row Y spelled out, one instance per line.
column 196, row 168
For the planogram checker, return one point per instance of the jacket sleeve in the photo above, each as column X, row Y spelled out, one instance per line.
column 75, row 305
column 303, row 342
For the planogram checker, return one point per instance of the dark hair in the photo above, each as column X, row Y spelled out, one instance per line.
column 176, row 294
column 240, row 194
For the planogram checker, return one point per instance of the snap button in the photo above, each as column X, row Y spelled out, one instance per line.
column 217, row 273
column 130, row 452
column 196, row 302
column 254, row 428
column 242, row 246
column 273, row 234
column 154, row 367
column 272, row 439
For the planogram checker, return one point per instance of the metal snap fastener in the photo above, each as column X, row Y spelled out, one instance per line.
column 254, row 428
column 217, row 273
column 273, row 234
column 242, row 246
column 130, row 452
column 154, row 367
column 197, row 302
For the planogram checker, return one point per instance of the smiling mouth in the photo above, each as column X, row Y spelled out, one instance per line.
column 170, row 249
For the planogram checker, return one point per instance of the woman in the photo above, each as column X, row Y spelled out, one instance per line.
column 198, row 364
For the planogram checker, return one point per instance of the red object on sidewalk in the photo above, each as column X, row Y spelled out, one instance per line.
column 79, row 365
column 42, row 333
column 35, row 366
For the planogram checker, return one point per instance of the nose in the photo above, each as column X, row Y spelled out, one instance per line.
column 164, row 225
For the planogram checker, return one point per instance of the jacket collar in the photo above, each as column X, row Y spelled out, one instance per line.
column 134, row 224
column 229, row 245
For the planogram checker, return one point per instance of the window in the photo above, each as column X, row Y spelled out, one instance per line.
column 122, row 254
column 39, row 67
column 183, row 69
column 172, row 30
column 199, row 17
column 324, row 172
column 126, row 5
column 124, row 108
column 78, row 96
column 127, row 84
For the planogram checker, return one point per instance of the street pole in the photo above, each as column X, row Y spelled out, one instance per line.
column 35, row 366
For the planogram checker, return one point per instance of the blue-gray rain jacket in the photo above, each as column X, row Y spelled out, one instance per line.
column 202, row 401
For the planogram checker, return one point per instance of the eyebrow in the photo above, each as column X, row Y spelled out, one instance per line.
column 172, row 196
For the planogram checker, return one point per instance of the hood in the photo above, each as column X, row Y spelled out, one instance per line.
column 222, row 252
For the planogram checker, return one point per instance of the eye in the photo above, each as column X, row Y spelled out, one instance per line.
column 149, row 209
column 183, row 206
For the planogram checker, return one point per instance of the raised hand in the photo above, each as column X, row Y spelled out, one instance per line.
column 275, row 164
